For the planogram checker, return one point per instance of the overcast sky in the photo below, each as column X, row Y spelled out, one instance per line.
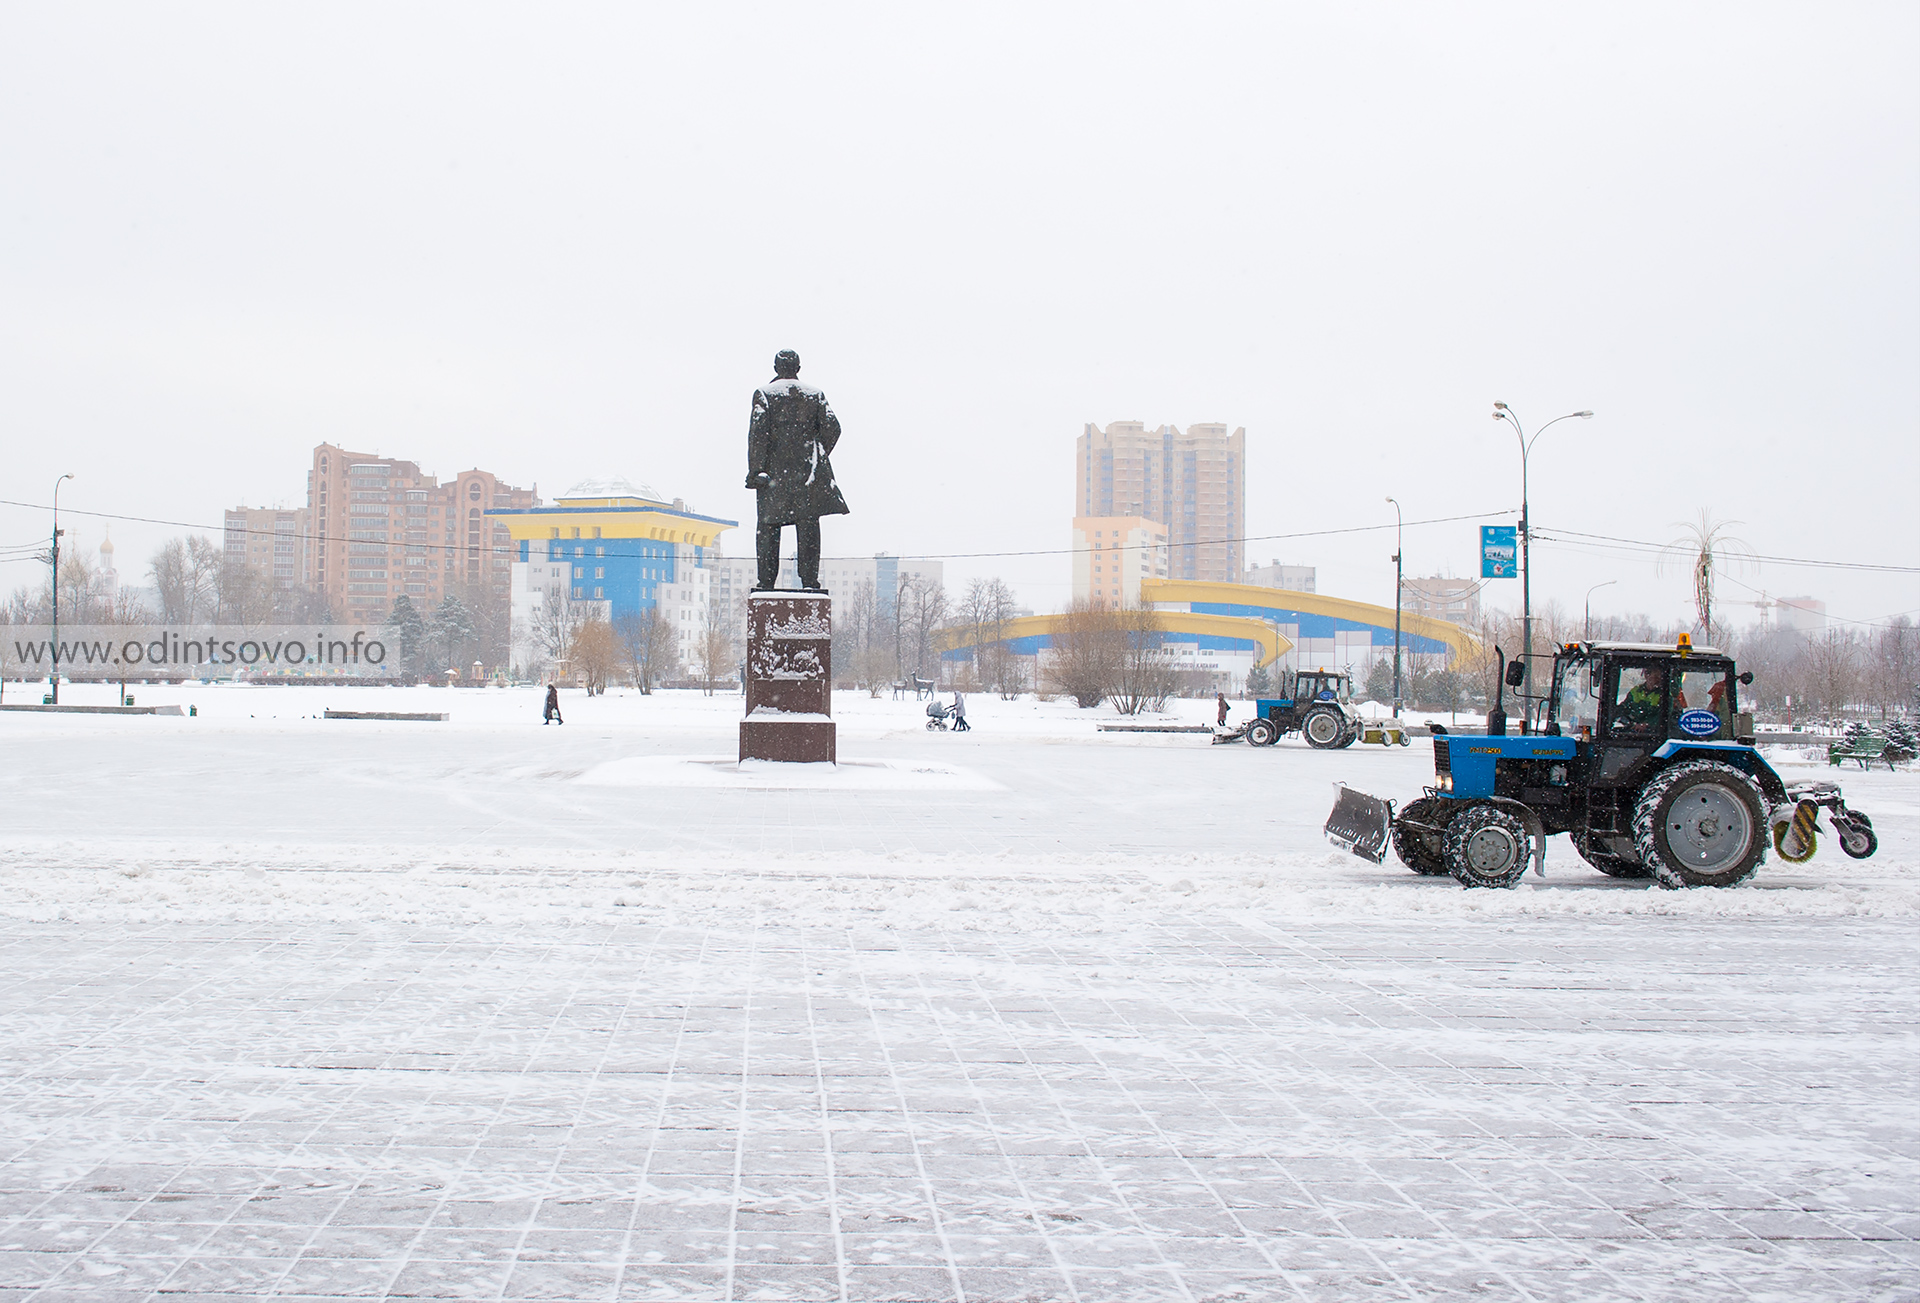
column 554, row 241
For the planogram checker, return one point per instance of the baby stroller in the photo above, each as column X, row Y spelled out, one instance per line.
column 937, row 716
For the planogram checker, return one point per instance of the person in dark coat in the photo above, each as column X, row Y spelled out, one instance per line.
column 788, row 439
column 1222, row 721
column 551, row 715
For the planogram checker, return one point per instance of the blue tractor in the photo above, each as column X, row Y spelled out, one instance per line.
column 1318, row 704
column 1639, row 754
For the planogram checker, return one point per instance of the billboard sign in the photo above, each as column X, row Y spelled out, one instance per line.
column 1499, row 552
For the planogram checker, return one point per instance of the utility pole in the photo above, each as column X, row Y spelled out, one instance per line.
column 53, row 678
column 1399, row 547
column 1501, row 412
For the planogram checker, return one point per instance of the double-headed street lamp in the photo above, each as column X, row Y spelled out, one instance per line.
column 54, row 678
column 1501, row 412
column 1398, row 549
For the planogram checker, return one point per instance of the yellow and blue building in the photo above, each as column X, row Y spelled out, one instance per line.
column 618, row 545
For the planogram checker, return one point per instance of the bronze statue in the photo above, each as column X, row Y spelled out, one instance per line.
column 788, row 440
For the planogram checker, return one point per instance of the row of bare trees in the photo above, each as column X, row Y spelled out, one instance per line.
column 1111, row 654
column 640, row 647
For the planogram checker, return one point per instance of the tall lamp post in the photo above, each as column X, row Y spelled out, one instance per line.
column 53, row 678
column 1501, row 412
column 1398, row 549
column 1586, row 632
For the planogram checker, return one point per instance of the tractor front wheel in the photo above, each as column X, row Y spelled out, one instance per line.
column 1348, row 738
column 1263, row 733
column 1323, row 728
column 1700, row 824
column 1420, row 850
column 1486, row 847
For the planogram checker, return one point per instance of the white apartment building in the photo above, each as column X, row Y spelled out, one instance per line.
column 1297, row 579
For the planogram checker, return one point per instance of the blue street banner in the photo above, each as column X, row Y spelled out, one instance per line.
column 1499, row 551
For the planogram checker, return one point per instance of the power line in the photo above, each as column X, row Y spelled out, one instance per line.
column 905, row 556
column 1637, row 544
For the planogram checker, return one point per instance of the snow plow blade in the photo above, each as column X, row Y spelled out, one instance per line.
column 1360, row 823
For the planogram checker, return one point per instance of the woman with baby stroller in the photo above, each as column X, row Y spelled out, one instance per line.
column 938, row 715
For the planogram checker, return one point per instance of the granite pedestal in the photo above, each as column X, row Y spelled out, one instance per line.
column 789, row 678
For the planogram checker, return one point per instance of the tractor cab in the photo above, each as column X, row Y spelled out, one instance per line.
column 1321, row 685
column 1643, row 695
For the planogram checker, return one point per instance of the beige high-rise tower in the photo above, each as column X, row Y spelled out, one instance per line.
column 1195, row 483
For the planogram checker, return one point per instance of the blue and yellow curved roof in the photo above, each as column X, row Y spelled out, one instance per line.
column 1312, row 615
column 1027, row 635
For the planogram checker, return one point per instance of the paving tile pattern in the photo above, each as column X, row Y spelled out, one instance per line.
column 1191, row 1110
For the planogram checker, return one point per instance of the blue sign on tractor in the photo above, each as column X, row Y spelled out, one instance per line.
column 1499, row 551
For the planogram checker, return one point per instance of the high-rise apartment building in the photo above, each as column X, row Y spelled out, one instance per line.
column 270, row 540
column 1195, row 483
column 380, row 528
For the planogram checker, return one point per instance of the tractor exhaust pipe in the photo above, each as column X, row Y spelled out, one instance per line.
column 1497, row 716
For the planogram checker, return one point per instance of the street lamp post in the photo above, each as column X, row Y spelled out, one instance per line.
column 53, row 678
column 1398, row 549
column 1501, row 412
column 1586, row 632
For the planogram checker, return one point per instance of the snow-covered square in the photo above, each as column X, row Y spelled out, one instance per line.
column 308, row 1008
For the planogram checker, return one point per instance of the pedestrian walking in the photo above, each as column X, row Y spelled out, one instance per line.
column 959, row 712
column 1222, row 721
column 551, row 715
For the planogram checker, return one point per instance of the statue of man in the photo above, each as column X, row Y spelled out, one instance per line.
column 788, row 440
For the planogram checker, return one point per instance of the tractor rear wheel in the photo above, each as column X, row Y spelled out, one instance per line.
column 1263, row 733
column 1422, row 851
column 1700, row 824
column 1607, row 861
column 1486, row 847
column 1323, row 727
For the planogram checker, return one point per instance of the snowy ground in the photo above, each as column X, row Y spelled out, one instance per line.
column 483, row 1009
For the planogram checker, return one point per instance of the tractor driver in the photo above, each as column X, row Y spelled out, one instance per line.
column 1640, row 707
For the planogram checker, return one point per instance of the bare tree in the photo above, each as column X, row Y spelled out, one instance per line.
column 714, row 651
column 182, row 571
column 648, row 647
column 919, row 612
column 1143, row 674
column 1833, row 671
column 242, row 593
column 1088, row 645
column 985, row 612
column 555, row 623
column 863, row 640
column 1896, row 666
column 125, row 610
column 594, row 652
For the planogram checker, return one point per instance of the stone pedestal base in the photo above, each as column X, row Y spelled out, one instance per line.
column 789, row 678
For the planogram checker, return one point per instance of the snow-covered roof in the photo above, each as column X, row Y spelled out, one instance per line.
column 610, row 486
column 1666, row 647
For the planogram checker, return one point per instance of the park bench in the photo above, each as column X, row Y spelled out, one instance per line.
column 1866, row 749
